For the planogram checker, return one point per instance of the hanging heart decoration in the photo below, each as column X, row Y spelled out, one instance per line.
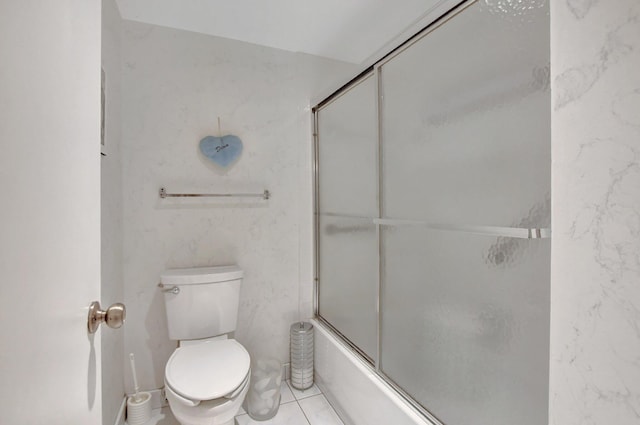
column 223, row 151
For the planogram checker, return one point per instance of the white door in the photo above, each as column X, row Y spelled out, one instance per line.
column 49, row 211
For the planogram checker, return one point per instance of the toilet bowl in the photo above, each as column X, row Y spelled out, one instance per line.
column 207, row 376
column 206, row 383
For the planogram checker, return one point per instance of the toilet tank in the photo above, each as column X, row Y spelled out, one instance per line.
column 206, row 304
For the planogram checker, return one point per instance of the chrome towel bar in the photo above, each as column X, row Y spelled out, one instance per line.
column 264, row 195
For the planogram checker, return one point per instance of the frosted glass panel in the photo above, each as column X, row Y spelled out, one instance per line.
column 464, row 334
column 348, row 200
column 466, row 120
column 466, row 142
column 349, row 276
column 347, row 152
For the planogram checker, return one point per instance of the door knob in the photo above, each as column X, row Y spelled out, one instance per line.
column 114, row 316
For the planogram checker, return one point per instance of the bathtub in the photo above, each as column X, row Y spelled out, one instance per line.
column 350, row 385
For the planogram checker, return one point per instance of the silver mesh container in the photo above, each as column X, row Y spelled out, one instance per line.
column 301, row 355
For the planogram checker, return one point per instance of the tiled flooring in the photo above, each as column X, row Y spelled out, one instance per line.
column 308, row 407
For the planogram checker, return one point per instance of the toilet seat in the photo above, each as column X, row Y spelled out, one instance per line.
column 209, row 370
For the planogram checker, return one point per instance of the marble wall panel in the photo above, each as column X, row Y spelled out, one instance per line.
column 595, row 278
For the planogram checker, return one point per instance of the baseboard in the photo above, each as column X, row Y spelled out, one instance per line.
column 158, row 400
column 286, row 371
column 123, row 407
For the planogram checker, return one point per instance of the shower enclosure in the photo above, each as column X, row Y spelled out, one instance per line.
column 433, row 215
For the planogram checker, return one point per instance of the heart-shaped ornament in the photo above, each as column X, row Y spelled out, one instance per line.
column 221, row 150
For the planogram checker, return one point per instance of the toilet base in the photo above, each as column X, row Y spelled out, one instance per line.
column 231, row 422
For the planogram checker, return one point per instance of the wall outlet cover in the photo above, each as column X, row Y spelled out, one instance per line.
column 223, row 151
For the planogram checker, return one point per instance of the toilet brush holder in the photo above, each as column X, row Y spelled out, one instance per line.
column 139, row 408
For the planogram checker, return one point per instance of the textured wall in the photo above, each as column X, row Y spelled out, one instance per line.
column 175, row 85
column 595, row 296
column 111, row 215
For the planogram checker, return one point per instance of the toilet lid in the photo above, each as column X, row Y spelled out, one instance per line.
column 209, row 370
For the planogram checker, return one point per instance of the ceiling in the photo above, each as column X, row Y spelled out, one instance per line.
column 346, row 30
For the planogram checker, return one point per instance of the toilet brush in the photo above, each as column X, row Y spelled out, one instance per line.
column 139, row 404
column 132, row 360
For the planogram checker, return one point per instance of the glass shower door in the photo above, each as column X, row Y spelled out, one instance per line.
column 347, row 153
column 466, row 161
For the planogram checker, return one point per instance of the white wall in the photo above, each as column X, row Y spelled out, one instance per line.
column 112, row 289
column 50, row 216
column 175, row 84
column 595, row 282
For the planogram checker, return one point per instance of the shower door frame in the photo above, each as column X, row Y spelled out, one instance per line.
column 375, row 71
column 370, row 72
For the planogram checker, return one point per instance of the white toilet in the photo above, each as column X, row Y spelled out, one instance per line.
column 207, row 376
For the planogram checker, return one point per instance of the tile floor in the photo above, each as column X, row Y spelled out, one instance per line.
column 308, row 407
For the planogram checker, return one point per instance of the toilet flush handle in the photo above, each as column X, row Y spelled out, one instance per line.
column 174, row 289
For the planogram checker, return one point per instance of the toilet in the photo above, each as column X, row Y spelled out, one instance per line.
column 207, row 377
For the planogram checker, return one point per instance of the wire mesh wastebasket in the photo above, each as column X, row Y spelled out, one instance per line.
column 264, row 394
